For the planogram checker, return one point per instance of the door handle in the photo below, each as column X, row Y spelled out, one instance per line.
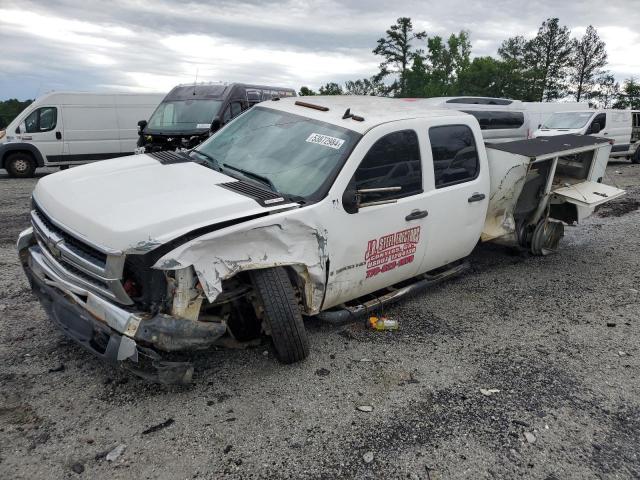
column 58, row 135
column 476, row 197
column 416, row 215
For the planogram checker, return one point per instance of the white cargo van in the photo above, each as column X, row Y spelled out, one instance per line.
column 612, row 124
column 71, row 128
column 503, row 119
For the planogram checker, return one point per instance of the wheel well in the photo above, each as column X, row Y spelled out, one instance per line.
column 13, row 152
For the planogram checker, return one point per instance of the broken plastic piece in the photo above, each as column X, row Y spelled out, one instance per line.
column 383, row 323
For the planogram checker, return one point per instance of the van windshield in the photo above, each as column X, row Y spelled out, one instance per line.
column 295, row 155
column 184, row 115
column 567, row 120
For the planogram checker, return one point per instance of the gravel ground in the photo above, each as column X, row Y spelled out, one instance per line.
column 557, row 336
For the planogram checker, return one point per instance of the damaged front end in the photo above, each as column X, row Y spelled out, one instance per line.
column 147, row 307
column 134, row 327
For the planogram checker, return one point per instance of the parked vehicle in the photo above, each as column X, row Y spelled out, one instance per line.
column 503, row 119
column 189, row 114
column 634, row 150
column 330, row 208
column 71, row 128
column 538, row 112
column 614, row 125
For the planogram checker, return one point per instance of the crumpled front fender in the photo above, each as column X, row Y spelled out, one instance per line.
column 267, row 242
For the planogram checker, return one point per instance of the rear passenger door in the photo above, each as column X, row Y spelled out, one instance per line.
column 457, row 192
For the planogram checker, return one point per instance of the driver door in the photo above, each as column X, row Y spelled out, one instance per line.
column 382, row 243
column 43, row 128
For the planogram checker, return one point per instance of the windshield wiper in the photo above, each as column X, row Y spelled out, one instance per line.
column 255, row 176
column 214, row 163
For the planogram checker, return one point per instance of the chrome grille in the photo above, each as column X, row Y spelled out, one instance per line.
column 78, row 262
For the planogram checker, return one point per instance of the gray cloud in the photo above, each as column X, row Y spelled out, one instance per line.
column 85, row 45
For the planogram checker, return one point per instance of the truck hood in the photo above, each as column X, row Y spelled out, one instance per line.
column 136, row 203
column 552, row 132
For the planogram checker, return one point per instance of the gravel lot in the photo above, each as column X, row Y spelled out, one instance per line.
column 557, row 336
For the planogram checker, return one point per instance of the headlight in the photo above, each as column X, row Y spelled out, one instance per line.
column 2, row 133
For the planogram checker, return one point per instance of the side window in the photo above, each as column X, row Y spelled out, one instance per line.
column 455, row 156
column 601, row 118
column 490, row 120
column 393, row 161
column 226, row 116
column 236, row 108
column 41, row 120
column 31, row 122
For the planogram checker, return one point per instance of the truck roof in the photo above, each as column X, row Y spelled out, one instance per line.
column 374, row 110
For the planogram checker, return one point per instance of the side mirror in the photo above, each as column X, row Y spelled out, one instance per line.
column 18, row 129
column 142, row 124
column 539, row 125
column 350, row 199
column 215, row 125
column 595, row 127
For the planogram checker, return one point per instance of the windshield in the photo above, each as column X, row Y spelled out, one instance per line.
column 294, row 154
column 184, row 115
column 567, row 120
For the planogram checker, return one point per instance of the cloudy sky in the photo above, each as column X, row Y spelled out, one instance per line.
column 152, row 45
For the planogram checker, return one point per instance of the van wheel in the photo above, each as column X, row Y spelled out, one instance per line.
column 281, row 313
column 636, row 156
column 20, row 165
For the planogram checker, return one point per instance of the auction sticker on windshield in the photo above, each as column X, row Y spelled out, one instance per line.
column 326, row 140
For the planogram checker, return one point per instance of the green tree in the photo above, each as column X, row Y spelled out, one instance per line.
column 446, row 62
column 489, row 77
column 365, row 86
column 306, row 92
column 9, row 109
column 588, row 58
column 606, row 92
column 629, row 96
column 398, row 54
column 549, row 54
column 331, row 88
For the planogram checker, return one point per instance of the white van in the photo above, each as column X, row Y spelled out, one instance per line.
column 500, row 119
column 70, row 128
column 612, row 124
column 538, row 112
column 503, row 119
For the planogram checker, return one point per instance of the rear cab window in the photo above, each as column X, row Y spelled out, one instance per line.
column 455, row 155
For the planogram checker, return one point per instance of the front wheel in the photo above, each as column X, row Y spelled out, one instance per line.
column 281, row 313
column 636, row 156
column 20, row 165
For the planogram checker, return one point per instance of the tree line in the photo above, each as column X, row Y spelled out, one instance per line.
column 9, row 109
column 550, row 66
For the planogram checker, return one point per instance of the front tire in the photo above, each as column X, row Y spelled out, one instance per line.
column 636, row 156
column 20, row 165
column 281, row 313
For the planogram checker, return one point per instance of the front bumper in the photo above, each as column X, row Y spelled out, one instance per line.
column 139, row 342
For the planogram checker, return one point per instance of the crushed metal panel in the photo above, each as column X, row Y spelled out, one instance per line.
column 266, row 242
column 588, row 194
column 508, row 173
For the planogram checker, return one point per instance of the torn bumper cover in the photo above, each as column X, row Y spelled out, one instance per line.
column 140, row 343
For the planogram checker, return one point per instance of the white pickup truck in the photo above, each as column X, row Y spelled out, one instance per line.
column 325, row 209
